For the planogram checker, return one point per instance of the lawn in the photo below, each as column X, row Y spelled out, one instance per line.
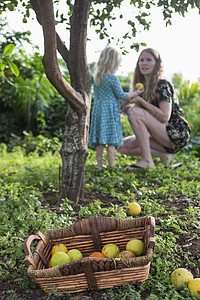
column 29, row 202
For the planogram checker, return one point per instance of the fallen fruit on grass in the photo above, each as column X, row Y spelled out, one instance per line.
column 136, row 246
column 139, row 85
column 194, row 286
column 110, row 250
column 125, row 254
column 133, row 209
column 59, row 258
column 181, row 277
column 74, row 254
column 97, row 254
column 59, row 248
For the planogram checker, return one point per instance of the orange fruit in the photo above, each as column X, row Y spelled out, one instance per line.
column 74, row 254
column 180, row 277
column 136, row 246
column 59, row 258
column 125, row 254
column 9, row 73
column 194, row 286
column 97, row 254
column 59, row 248
column 133, row 209
column 110, row 250
column 140, row 86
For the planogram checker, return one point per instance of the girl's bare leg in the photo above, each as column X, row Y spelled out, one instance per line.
column 111, row 155
column 99, row 155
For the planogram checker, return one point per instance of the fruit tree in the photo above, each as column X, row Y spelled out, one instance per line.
column 79, row 15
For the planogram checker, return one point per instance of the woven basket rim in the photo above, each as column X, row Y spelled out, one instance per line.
column 55, row 271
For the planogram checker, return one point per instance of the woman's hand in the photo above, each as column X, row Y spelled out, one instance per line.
column 124, row 107
column 134, row 94
column 136, row 100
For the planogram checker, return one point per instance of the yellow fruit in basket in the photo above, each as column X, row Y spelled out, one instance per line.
column 181, row 277
column 74, row 254
column 136, row 246
column 59, row 258
column 58, row 248
column 110, row 250
column 139, row 85
column 194, row 286
column 133, row 209
column 125, row 254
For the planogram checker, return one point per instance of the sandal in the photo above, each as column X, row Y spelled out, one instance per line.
column 175, row 166
column 132, row 167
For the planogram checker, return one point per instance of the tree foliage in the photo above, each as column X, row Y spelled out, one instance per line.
column 76, row 15
column 104, row 12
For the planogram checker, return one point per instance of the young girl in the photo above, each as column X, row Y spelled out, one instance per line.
column 156, row 119
column 105, row 127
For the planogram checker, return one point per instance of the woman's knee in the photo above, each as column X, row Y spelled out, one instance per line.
column 135, row 114
column 120, row 149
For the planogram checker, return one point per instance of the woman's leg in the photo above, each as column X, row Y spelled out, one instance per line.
column 151, row 138
column 111, row 155
column 99, row 155
column 131, row 147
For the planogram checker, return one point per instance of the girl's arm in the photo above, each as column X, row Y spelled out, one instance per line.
column 134, row 94
column 161, row 113
column 119, row 93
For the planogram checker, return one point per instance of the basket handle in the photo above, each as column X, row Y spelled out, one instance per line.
column 27, row 248
column 95, row 233
column 89, row 274
column 151, row 240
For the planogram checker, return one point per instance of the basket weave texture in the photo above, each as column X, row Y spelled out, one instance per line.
column 88, row 236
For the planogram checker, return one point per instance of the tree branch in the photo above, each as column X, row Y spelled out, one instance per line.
column 45, row 16
column 81, row 78
column 62, row 49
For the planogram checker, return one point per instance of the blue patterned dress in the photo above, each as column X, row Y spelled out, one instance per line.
column 105, row 126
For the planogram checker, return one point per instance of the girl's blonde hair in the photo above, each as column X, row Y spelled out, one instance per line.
column 108, row 63
column 150, row 85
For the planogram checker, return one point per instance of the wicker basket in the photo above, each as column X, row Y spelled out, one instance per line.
column 91, row 273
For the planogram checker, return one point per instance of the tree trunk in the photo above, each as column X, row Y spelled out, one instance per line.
column 74, row 153
column 74, row 149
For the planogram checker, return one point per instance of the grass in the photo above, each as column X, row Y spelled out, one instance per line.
column 171, row 196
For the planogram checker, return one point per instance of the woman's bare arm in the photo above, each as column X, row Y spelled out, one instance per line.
column 161, row 113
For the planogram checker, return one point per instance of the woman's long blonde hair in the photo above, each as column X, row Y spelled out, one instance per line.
column 108, row 63
column 150, row 86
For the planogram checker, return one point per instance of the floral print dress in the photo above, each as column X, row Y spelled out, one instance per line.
column 177, row 127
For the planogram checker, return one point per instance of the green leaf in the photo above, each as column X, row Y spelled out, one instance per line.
column 8, row 49
column 13, row 67
column 2, row 66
